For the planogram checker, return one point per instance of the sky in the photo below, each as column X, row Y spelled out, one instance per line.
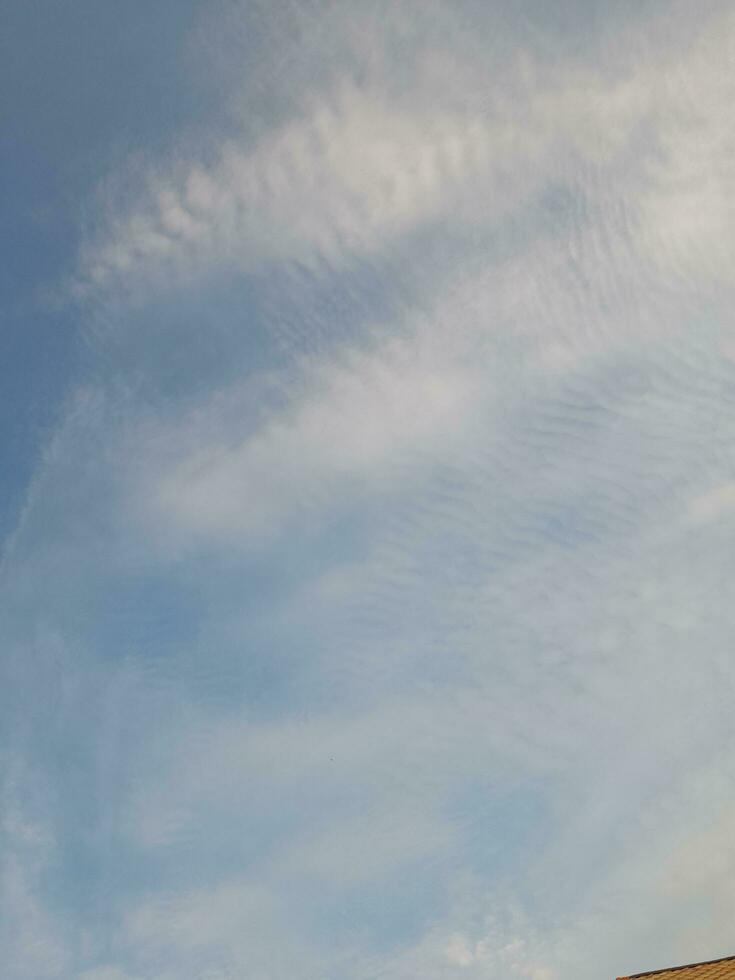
column 367, row 489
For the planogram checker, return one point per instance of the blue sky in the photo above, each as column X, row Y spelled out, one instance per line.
column 368, row 427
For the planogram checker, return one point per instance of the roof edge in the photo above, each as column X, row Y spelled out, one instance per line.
column 674, row 969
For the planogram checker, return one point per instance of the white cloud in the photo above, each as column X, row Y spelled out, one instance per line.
column 358, row 850
column 715, row 504
column 350, row 175
column 687, row 204
column 357, row 165
column 347, row 431
column 105, row 973
column 316, row 191
column 199, row 919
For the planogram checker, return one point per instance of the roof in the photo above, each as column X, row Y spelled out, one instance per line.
column 722, row 969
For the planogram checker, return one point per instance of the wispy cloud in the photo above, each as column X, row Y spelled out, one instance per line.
column 33, row 940
column 343, row 430
column 362, row 163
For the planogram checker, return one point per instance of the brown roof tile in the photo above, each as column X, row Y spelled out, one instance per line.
column 722, row 969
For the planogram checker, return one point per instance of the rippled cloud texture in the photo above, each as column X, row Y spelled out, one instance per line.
column 368, row 608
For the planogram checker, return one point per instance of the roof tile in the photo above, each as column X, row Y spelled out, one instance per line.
column 722, row 969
